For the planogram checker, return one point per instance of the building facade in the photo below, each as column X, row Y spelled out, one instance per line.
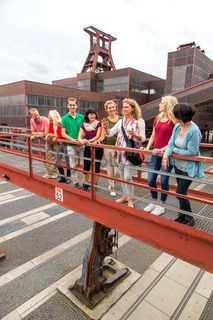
column 187, row 66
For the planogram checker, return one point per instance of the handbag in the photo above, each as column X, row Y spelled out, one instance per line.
column 134, row 158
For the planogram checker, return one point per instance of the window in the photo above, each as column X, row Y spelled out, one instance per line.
column 113, row 84
column 178, row 78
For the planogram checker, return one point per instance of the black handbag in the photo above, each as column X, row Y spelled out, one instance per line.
column 133, row 157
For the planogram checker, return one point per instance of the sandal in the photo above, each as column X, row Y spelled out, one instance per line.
column 122, row 200
column 131, row 205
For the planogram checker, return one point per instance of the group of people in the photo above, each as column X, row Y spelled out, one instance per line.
column 173, row 133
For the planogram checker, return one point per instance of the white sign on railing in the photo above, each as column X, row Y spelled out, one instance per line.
column 59, row 194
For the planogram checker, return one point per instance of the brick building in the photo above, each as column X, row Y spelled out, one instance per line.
column 187, row 66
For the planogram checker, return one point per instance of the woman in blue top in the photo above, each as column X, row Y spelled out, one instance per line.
column 185, row 140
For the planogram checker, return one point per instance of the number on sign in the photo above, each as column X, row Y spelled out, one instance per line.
column 59, row 194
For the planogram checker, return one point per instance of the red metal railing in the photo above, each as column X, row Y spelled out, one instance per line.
column 190, row 244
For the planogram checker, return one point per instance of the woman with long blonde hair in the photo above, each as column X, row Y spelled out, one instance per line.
column 161, row 133
column 54, row 133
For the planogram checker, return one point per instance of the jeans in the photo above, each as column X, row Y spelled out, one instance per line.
column 62, row 152
column 126, row 172
column 50, row 148
column 109, row 155
column 182, row 188
column 75, row 153
column 155, row 164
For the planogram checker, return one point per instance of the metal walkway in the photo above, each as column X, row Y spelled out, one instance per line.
column 40, row 246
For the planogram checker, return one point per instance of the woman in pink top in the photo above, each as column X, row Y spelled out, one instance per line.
column 162, row 131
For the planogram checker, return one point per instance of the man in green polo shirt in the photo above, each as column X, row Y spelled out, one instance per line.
column 70, row 124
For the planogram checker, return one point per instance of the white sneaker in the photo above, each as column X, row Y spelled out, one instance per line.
column 113, row 193
column 54, row 176
column 47, row 176
column 150, row 207
column 158, row 211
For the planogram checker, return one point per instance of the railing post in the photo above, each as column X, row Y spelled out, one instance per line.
column 93, row 170
column 29, row 143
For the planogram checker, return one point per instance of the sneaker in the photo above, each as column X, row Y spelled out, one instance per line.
column 158, row 210
column 180, row 218
column 85, row 187
column 150, row 207
column 68, row 180
column 185, row 219
column 54, row 176
column 190, row 221
column 76, row 185
column 47, row 176
column 62, row 179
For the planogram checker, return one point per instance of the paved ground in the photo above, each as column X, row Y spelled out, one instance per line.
column 45, row 242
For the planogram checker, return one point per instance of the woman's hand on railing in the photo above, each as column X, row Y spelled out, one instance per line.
column 165, row 162
column 83, row 141
column 156, row 151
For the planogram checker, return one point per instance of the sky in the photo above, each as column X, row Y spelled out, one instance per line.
column 43, row 40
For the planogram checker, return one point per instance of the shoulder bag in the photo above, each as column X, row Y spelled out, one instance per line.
column 134, row 158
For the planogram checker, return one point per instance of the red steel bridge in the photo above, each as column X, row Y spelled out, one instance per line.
column 25, row 168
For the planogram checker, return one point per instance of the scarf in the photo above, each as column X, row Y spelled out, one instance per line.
column 90, row 126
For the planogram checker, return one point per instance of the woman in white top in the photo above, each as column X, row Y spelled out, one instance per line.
column 134, row 126
column 111, row 108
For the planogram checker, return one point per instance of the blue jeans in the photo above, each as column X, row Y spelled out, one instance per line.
column 155, row 164
column 182, row 188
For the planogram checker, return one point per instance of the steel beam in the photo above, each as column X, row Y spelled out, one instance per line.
column 181, row 241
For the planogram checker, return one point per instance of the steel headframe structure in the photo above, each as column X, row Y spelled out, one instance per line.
column 99, row 58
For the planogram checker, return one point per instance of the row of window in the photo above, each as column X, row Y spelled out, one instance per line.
column 15, row 100
column 11, row 106
column 12, row 111
column 34, row 100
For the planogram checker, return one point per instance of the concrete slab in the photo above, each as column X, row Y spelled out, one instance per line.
column 144, row 282
column 146, row 311
column 162, row 262
column 111, row 298
column 194, row 308
column 118, row 309
column 205, row 286
column 6, row 197
column 35, row 217
column 182, row 272
column 166, row 295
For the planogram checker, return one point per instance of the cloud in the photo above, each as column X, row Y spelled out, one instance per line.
column 42, row 40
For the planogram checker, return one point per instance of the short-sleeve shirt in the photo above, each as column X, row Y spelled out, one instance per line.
column 91, row 134
column 111, row 140
column 72, row 125
column 163, row 132
column 43, row 124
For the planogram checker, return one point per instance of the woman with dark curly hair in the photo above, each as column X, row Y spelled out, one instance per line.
column 90, row 132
